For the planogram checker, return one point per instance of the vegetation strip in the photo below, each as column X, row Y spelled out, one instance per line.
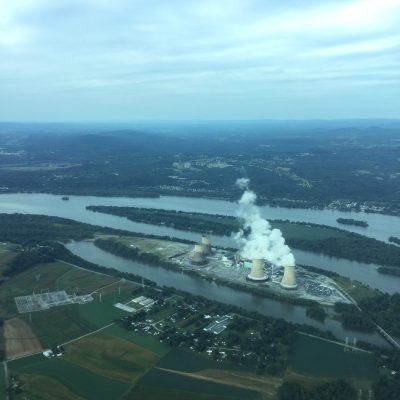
column 323, row 239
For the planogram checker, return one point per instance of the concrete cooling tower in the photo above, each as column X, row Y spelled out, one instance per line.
column 257, row 271
column 197, row 256
column 205, row 242
column 289, row 278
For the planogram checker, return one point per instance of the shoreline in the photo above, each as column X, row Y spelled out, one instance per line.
column 152, row 195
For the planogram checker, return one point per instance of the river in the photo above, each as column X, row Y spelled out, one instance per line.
column 380, row 226
column 198, row 286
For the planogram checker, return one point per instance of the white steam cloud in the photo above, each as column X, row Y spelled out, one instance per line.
column 261, row 241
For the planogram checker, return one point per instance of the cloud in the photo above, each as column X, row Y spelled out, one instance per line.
column 259, row 241
column 210, row 48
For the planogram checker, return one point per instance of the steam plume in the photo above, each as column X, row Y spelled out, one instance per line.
column 262, row 241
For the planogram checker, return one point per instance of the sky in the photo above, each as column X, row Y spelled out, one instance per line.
column 127, row 60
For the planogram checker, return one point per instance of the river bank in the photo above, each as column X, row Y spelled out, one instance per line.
column 380, row 227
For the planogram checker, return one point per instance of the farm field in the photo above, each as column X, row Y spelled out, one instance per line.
column 310, row 354
column 19, row 338
column 146, row 341
column 48, row 277
column 44, row 388
column 161, row 384
column 110, row 357
column 188, row 361
column 6, row 255
column 66, row 324
column 76, row 379
column 98, row 314
column 69, row 321
column 2, row 382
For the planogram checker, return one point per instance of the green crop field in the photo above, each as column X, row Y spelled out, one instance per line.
column 78, row 380
column 140, row 392
column 84, row 282
column 40, row 277
column 2, row 383
column 5, row 257
column 50, row 277
column 166, row 381
column 53, row 276
column 58, row 325
column 111, row 357
column 102, row 313
column 39, row 387
column 149, row 342
column 355, row 289
column 188, row 361
column 319, row 358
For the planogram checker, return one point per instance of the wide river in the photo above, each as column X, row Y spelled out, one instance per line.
column 197, row 286
column 380, row 226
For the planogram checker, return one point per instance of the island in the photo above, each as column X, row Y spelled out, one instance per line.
column 351, row 221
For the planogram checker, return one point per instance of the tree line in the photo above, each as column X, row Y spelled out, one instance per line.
column 351, row 246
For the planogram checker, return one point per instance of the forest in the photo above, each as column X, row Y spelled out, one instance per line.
column 335, row 390
column 285, row 166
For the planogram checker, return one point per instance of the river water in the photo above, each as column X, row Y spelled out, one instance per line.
column 380, row 226
column 198, row 286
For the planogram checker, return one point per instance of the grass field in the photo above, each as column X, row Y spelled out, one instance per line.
column 308, row 232
column 98, row 314
column 165, row 381
column 6, row 255
column 146, row 341
column 141, row 392
column 44, row 388
column 35, row 279
column 84, row 282
column 319, row 358
column 49, row 277
column 188, row 361
column 2, row 382
column 76, row 379
column 355, row 289
column 58, row 325
column 111, row 357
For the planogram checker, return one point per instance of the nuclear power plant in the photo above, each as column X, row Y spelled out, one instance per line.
column 205, row 243
column 197, row 256
column 289, row 278
column 257, row 271
column 202, row 254
column 200, row 251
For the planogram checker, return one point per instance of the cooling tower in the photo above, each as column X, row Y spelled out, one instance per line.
column 205, row 242
column 257, row 271
column 289, row 278
column 198, row 248
column 197, row 256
